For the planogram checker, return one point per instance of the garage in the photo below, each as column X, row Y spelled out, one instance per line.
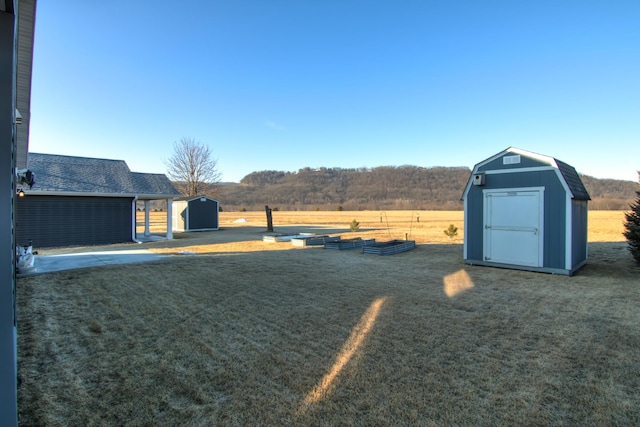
column 82, row 201
column 526, row 211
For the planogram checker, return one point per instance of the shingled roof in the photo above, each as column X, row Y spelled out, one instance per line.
column 89, row 176
column 566, row 173
column 573, row 180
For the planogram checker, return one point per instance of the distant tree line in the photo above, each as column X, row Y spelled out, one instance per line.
column 385, row 187
column 379, row 188
column 609, row 194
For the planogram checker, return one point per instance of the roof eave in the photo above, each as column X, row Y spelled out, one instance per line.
column 94, row 194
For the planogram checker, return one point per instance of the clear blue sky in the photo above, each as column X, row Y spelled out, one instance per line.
column 285, row 84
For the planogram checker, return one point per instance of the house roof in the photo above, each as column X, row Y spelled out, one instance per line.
column 55, row 174
column 566, row 173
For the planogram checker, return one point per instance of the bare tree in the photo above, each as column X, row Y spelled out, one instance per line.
column 192, row 167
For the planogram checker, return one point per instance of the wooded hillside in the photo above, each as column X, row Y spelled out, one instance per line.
column 380, row 188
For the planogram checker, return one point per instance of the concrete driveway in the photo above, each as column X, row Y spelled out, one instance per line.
column 59, row 262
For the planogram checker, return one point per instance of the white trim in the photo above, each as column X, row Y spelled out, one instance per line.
column 511, row 189
column 466, row 228
column 564, row 184
column 519, row 170
column 169, row 219
column 525, row 268
column 568, row 242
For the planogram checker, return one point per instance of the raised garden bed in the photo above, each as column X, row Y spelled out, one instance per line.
column 313, row 240
column 350, row 243
column 284, row 237
column 389, row 248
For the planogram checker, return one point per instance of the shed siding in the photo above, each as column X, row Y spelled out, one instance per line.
column 179, row 215
column 195, row 215
column 203, row 215
column 474, row 224
column 580, row 214
column 554, row 213
column 55, row 221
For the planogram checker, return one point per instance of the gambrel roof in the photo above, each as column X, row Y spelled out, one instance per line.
column 69, row 175
column 573, row 181
column 566, row 173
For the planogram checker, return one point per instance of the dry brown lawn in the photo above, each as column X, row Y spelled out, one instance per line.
column 254, row 333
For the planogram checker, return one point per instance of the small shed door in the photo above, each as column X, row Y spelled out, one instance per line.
column 513, row 222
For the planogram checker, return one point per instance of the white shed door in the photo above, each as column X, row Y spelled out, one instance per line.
column 513, row 223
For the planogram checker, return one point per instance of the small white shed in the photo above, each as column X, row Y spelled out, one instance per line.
column 198, row 213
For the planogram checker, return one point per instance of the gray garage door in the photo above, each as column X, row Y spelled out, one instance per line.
column 52, row 221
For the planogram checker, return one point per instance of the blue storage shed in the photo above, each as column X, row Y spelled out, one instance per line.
column 198, row 213
column 525, row 211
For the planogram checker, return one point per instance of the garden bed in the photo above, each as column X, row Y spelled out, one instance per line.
column 389, row 248
column 314, row 240
column 271, row 238
column 350, row 243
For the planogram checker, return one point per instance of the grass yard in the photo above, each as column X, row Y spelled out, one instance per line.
column 254, row 333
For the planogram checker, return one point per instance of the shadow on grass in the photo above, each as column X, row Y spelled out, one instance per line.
column 610, row 259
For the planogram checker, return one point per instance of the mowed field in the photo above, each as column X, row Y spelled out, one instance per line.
column 231, row 330
column 421, row 226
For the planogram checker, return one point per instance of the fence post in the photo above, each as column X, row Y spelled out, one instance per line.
column 269, row 218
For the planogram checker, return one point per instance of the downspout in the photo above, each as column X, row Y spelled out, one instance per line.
column 169, row 219
column 134, row 220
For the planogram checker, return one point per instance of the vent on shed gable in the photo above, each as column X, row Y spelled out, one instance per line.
column 511, row 160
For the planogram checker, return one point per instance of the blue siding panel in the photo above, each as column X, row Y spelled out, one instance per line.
column 580, row 230
column 203, row 215
column 474, row 227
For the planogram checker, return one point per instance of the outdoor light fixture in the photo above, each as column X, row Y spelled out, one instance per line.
column 20, row 192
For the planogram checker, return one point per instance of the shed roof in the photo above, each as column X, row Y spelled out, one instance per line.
column 566, row 172
column 189, row 198
column 573, row 181
column 90, row 176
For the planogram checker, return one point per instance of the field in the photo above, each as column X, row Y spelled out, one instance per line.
column 245, row 332
column 421, row 226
